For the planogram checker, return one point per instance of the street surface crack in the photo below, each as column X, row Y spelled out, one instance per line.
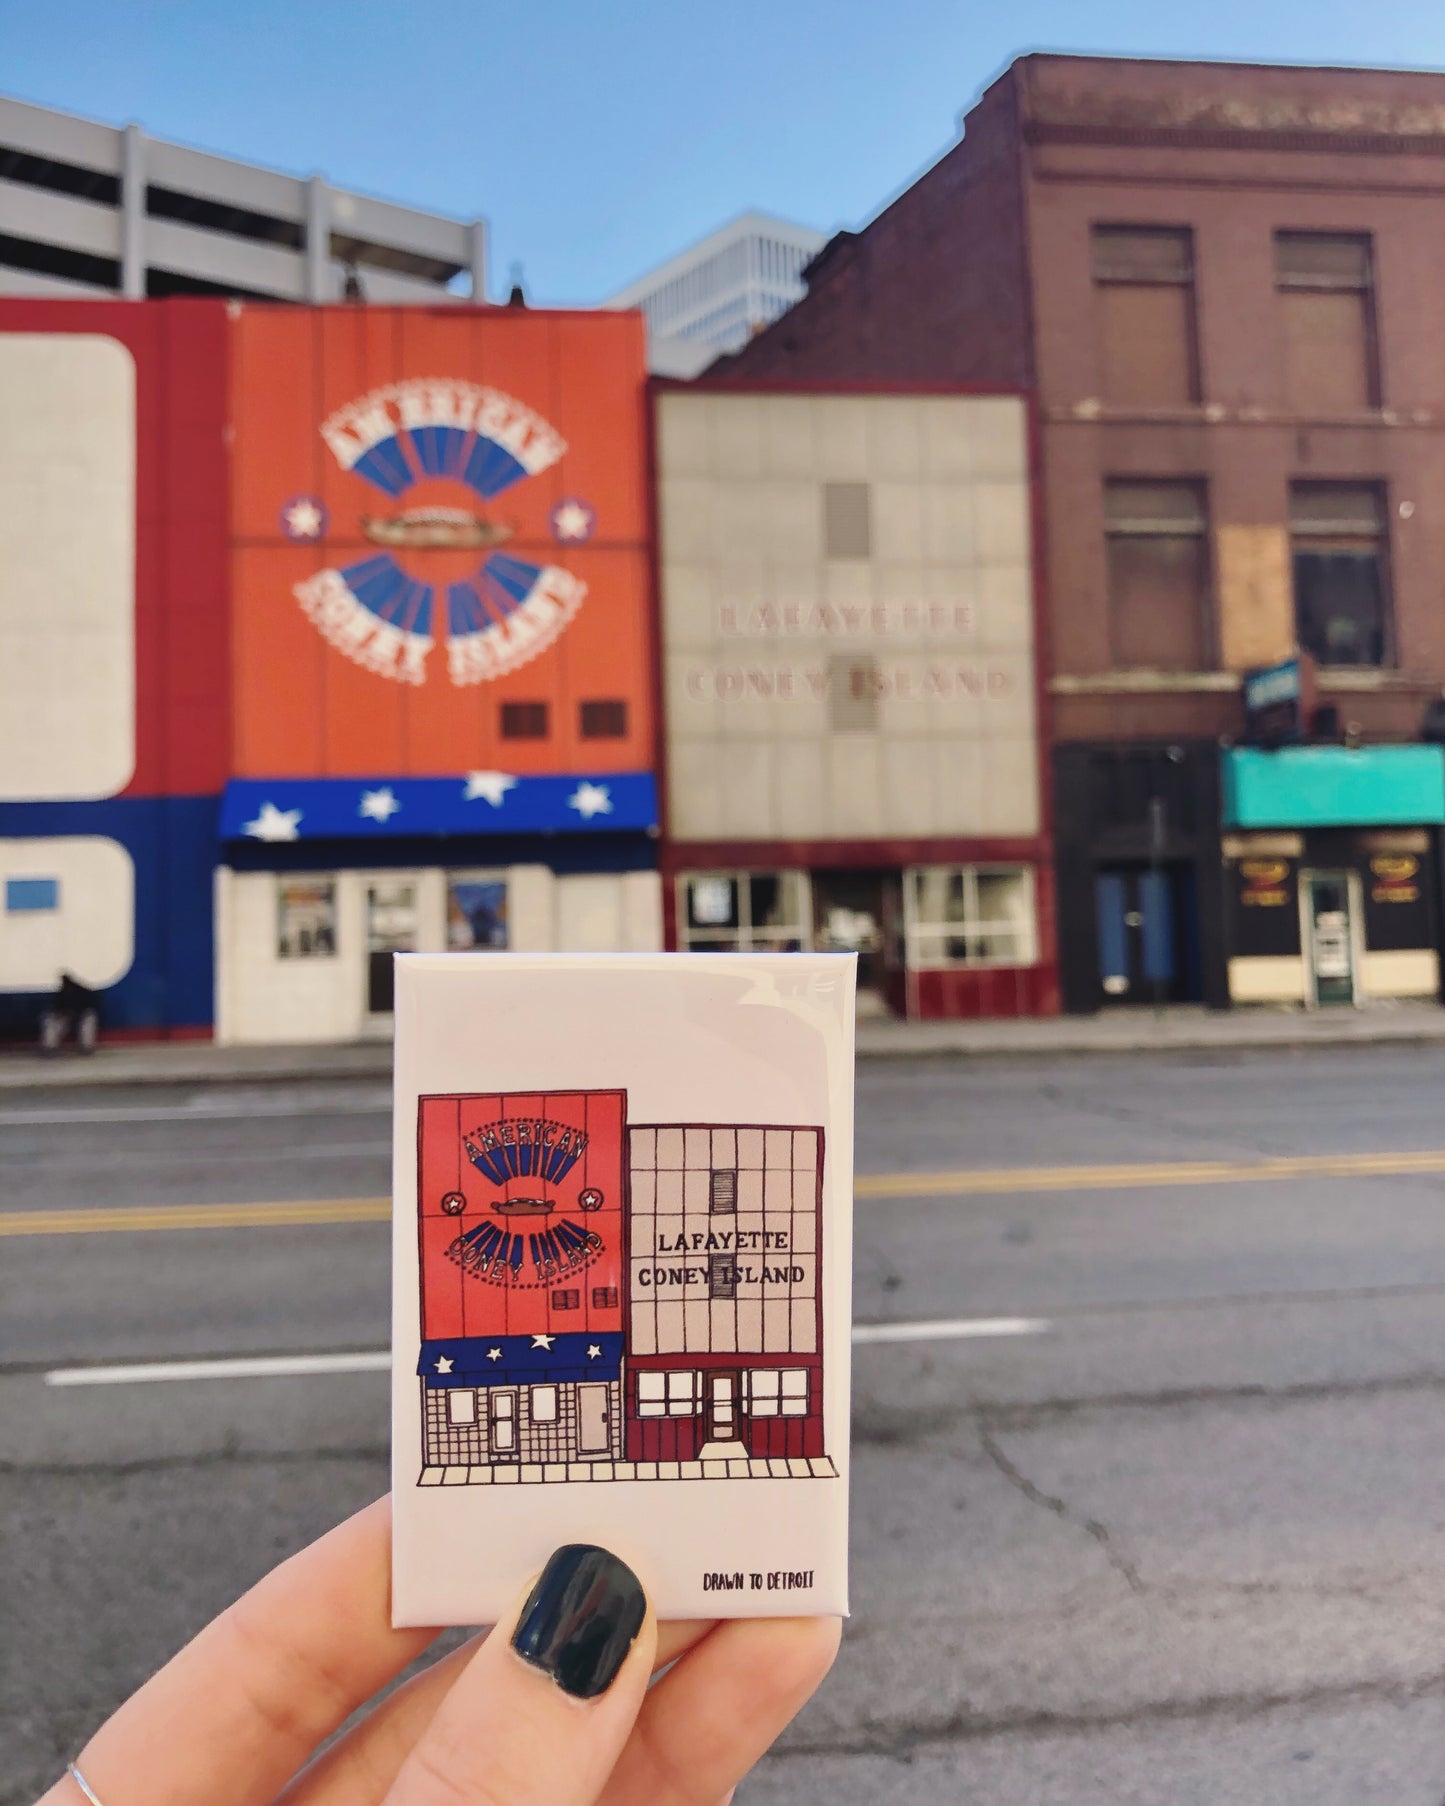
column 1047, row 1501
column 902, row 1739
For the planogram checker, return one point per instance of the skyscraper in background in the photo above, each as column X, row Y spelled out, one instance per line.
column 712, row 297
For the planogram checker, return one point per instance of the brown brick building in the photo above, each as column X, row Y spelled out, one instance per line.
column 1222, row 282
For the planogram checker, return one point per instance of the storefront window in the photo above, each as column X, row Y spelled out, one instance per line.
column 476, row 912
column 969, row 915
column 544, row 1404
column 666, row 1394
column 774, row 1392
column 742, row 912
column 305, row 918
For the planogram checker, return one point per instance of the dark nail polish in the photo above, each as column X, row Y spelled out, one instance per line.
column 581, row 1619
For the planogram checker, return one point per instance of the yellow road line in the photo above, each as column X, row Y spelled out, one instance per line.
column 1134, row 1177
column 92, row 1221
column 977, row 1182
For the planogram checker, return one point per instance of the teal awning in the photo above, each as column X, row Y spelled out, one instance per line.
column 1333, row 787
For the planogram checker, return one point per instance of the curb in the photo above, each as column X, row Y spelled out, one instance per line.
column 372, row 1060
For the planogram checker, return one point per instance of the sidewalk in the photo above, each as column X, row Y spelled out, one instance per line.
column 1117, row 1032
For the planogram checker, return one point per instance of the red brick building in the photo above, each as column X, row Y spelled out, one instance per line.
column 1220, row 282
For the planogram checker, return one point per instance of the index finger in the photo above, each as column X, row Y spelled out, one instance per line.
column 232, row 1717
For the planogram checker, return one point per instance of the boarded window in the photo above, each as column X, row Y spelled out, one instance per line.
column 604, row 1298
column 722, row 1276
column 1325, row 286
column 723, row 1192
column 1144, row 301
column 853, row 686
column 847, row 526
column 524, row 721
column 604, row 720
column 1341, row 597
column 1158, row 575
column 564, row 1298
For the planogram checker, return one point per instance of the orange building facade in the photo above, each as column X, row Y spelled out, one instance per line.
column 442, row 690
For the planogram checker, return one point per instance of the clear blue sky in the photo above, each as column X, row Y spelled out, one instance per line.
column 598, row 139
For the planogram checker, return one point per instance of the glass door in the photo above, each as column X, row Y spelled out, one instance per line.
column 391, row 927
column 1329, row 934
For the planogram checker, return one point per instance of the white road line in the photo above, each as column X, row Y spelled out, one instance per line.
column 248, row 1367
column 950, row 1329
column 266, row 1367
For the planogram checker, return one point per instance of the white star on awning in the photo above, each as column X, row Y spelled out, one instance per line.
column 590, row 799
column 491, row 786
column 272, row 823
column 378, row 805
column 444, row 1363
column 543, row 1341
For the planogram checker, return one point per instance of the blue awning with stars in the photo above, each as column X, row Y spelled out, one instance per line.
column 541, row 1360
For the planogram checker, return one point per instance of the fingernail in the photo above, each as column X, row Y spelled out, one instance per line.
column 581, row 1619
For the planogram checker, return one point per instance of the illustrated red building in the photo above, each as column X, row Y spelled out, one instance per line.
column 606, row 1302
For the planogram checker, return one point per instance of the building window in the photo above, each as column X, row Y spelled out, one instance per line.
column 543, row 1404
column 1326, row 298
column 743, row 912
column 853, row 686
column 26, row 896
column 1341, row 591
column 774, row 1392
column 1158, row 575
column 476, row 912
column 524, row 721
column 1144, row 302
column 305, row 918
column 566, row 1298
column 604, row 1298
column 722, row 1194
column 722, row 1276
column 847, row 521
column 969, row 915
column 603, row 720
column 461, row 1405
column 667, row 1395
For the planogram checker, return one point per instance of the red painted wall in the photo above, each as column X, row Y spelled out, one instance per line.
column 457, row 1302
column 181, row 589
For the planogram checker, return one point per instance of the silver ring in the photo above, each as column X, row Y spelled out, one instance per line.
column 81, row 1782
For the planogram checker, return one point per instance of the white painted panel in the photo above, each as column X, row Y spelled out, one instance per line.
column 641, row 912
column 91, row 933
column 1272, row 979
column 67, row 566
column 1401, row 972
column 589, row 913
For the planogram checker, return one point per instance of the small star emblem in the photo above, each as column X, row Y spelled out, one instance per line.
column 543, row 1342
column 491, row 786
column 573, row 521
column 444, row 1363
column 378, row 805
column 590, row 799
column 593, row 1351
column 494, row 1354
column 303, row 518
column 273, row 823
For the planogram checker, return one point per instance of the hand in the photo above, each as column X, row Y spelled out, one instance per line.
column 554, row 1708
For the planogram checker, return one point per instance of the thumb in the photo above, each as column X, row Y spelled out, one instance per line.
column 540, row 1714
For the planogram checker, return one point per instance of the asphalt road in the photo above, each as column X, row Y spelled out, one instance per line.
column 1180, row 1538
